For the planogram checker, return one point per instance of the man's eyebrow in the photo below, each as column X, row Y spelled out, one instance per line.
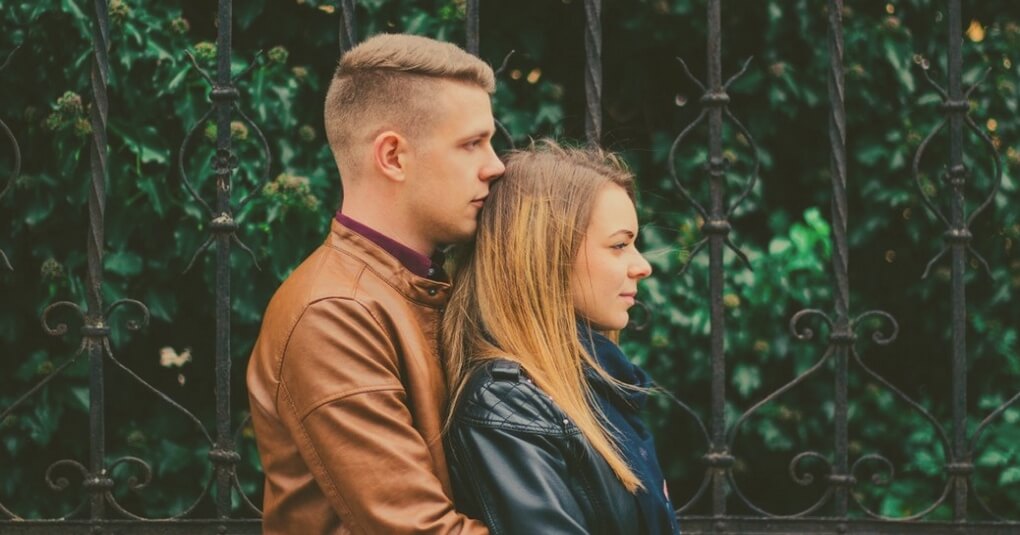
column 480, row 133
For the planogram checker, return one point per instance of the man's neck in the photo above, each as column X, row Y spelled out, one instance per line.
column 389, row 224
column 415, row 262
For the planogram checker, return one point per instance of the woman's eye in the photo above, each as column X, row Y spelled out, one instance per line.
column 622, row 245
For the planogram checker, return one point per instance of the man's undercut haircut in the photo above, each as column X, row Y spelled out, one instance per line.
column 390, row 82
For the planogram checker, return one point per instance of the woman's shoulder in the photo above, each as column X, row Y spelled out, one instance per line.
column 499, row 394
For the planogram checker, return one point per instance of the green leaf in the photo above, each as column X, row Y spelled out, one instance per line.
column 779, row 246
column 871, row 155
column 774, row 438
column 1010, row 476
column 38, row 210
column 991, row 458
column 172, row 86
column 926, row 462
column 145, row 142
column 43, row 420
column 80, row 395
column 246, row 12
column 813, row 217
column 746, row 379
column 148, row 186
column 162, row 304
column 801, row 238
column 123, row 263
column 901, row 66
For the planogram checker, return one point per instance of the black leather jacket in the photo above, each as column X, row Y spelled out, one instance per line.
column 522, row 467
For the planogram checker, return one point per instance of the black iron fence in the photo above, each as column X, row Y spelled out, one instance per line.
column 223, row 507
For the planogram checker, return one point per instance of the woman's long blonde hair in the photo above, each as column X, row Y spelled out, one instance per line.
column 511, row 296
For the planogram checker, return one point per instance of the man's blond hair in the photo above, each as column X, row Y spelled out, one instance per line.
column 389, row 82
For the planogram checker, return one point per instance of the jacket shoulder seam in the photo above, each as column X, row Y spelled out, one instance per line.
column 516, row 398
column 297, row 320
column 286, row 344
column 343, row 396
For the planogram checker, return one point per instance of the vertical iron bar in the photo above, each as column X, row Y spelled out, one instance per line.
column 224, row 95
column 4, row 262
column 593, row 70
column 715, row 98
column 348, row 26
column 841, row 335
column 95, row 330
column 472, row 17
column 958, row 238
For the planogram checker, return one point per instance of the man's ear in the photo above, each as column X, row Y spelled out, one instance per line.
column 389, row 155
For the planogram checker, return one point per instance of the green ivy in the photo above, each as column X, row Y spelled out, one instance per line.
column 154, row 227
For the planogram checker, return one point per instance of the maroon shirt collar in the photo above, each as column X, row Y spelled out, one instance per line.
column 414, row 261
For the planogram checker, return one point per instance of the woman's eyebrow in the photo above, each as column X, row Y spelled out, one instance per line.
column 629, row 233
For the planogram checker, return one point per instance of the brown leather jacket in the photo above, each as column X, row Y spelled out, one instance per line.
column 347, row 398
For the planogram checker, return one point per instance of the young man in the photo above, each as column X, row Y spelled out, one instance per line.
column 345, row 381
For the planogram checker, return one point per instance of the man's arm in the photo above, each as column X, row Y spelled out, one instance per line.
column 343, row 401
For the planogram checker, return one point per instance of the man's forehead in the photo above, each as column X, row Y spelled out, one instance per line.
column 456, row 95
column 464, row 110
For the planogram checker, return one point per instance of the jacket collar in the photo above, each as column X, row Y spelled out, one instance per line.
column 415, row 262
column 422, row 290
column 611, row 359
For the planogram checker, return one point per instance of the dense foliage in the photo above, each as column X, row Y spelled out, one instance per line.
column 153, row 227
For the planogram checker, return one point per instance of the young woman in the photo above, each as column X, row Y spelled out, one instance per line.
column 544, row 435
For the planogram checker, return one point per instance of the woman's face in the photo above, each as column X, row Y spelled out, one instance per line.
column 608, row 265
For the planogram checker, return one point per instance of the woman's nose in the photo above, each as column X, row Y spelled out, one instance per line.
column 640, row 268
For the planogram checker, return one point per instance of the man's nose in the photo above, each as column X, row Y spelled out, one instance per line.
column 493, row 169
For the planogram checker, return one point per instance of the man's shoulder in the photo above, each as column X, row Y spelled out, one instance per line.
column 330, row 273
column 328, row 282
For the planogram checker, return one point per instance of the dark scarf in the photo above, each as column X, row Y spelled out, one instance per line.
column 622, row 409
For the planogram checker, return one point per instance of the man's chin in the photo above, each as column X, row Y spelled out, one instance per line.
column 458, row 238
column 465, row 234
